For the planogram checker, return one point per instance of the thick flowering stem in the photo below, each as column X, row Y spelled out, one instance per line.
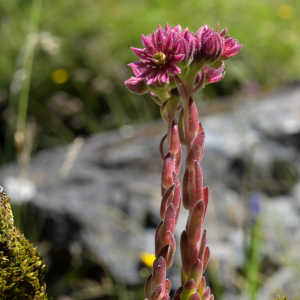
column 172, row 66
column 194, row 251
column 157, row 287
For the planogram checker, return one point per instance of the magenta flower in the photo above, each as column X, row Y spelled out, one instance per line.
column 159, row 56
column 231, row 47
column 187, row 46
column 209, row 45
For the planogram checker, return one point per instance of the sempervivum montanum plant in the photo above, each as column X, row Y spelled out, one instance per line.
column 22, row 270
column 173, row 66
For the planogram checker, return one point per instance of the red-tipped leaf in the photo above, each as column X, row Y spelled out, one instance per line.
column 195, row 223
column 169, row 225
column 202, row 245
column 192, row 188
column 196, row 272
column 205, row 198
column 188, row 290
column 163, row 111
column 198, row 182
column 165, row 200
column 196, row 149
column 148, row 286
column 181, row 128
column 161, row 147
column 206, row 258
column 171, row 250
column 206, row 294
column 195, row 296
column 165, row 297
column 157, row 293
column 202, row 286
column 168, row 286
column 159, row 273
column 185, row 253
column 174, row 143
column 178, row 157
column 193, row 117
column 185, row 189
column 158, row 237
column 166, row 177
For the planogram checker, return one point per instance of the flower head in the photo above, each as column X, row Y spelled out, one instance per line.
column 209, row 45
column 159, row 56
column 231, row 48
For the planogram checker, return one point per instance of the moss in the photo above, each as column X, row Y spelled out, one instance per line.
column 22, row 269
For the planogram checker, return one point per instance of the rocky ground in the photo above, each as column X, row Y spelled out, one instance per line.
column 101, row 195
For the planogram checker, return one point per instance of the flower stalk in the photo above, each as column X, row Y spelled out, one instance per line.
column 173, row 66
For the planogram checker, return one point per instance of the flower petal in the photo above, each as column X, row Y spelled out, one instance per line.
column 138, row 64
column 173, row 69
column 141, row 53
column 164, row 76
column 160, row 40
column 175, row 59
column 168, row 45
column 148, row 44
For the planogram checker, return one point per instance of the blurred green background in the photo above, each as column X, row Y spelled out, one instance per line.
column 68, row 60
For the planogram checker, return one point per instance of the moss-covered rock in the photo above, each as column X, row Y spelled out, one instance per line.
column 22, row 269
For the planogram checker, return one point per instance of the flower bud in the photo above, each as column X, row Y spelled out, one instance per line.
column 209, row 46
column 137, row 85
column 214, row 75
column 231, row 48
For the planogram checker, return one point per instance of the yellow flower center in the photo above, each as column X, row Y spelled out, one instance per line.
column 159, row 58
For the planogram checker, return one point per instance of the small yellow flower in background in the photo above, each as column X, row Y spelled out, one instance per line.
column 284, row 298
column 147, row 258
column 285, row 11
column 60, row 76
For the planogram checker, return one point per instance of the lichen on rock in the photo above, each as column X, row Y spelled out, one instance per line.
column 22, row 269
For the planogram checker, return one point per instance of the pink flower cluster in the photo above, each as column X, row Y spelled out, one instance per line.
column 170, row 50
